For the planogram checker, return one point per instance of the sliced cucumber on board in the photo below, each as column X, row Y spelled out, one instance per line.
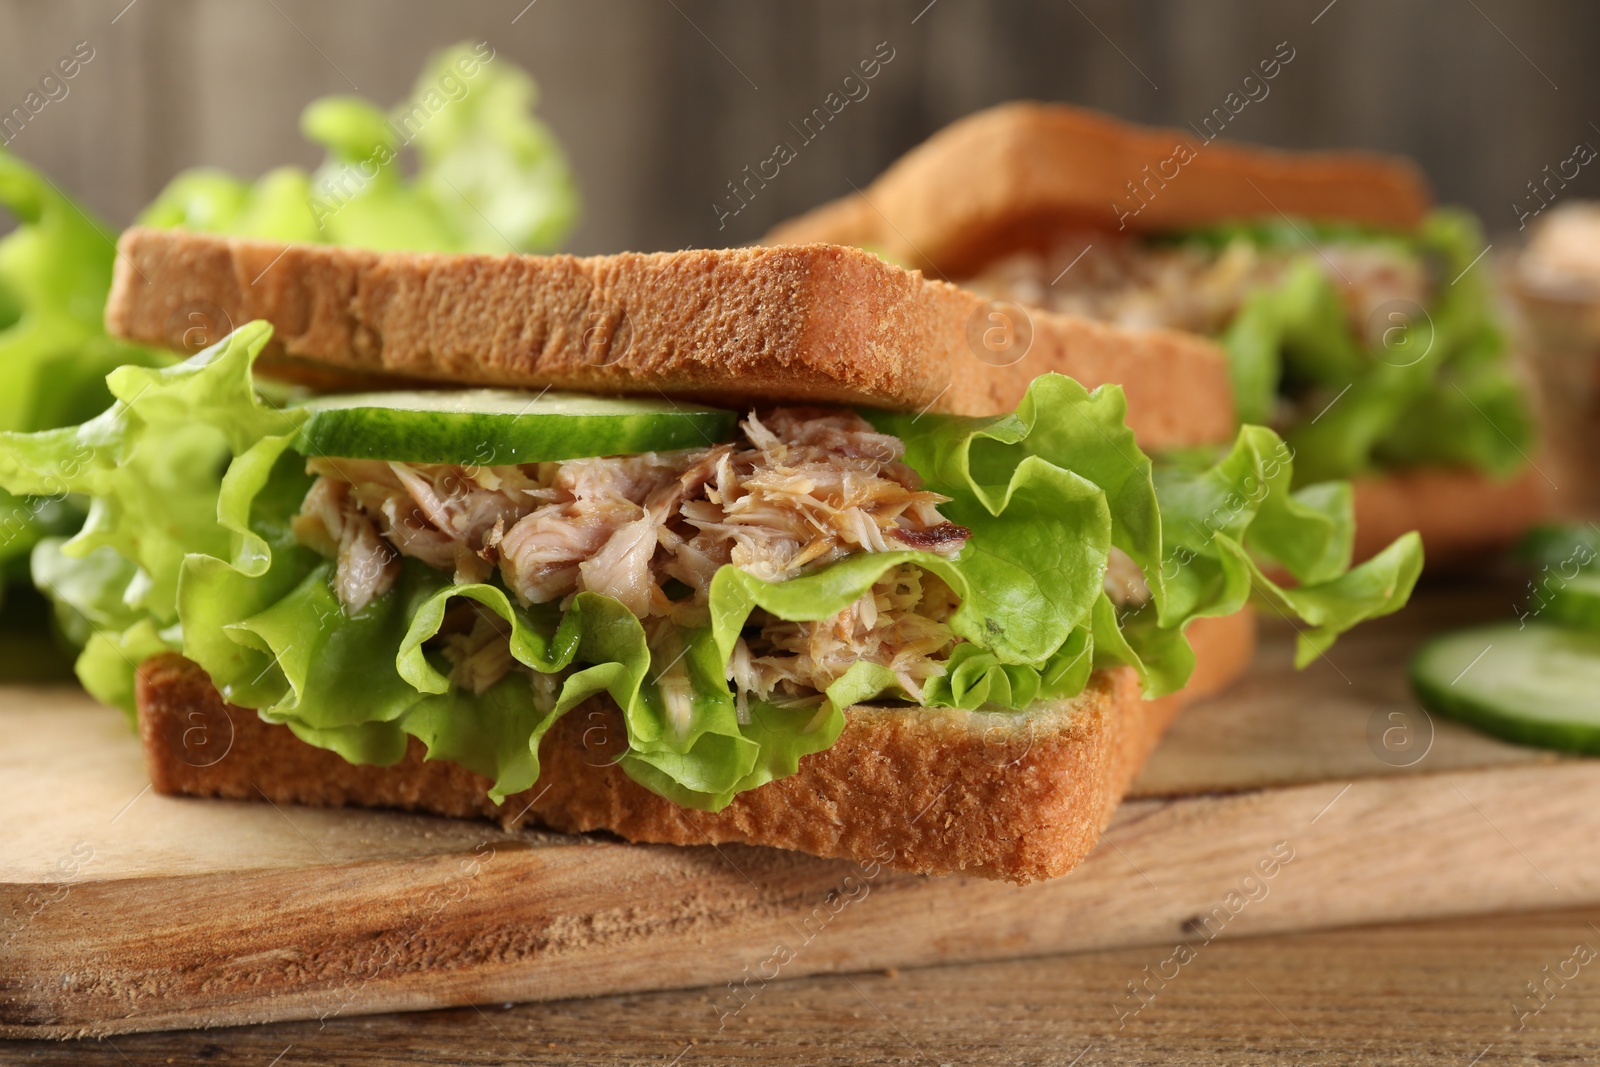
column 489, row 427
column 1537, row 685
column 1577, row 601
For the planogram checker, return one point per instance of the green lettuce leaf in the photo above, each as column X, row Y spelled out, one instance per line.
column 55, row 272
column 490, row 177
column 1220, row 522
column 151, row 465
column 498, row 171
column 1297, row 328
column 1196, row 534
column 195, row 482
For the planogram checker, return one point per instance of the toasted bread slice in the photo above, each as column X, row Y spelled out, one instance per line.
column 1017, row 175
column 1017, row 796
column 747, row 325
column 1464, row 516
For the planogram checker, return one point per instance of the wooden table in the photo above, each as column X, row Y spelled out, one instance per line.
column 1436, row 993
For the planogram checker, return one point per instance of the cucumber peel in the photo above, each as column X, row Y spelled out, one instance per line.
column 1577, row 602
column 1535, row 685
column 489, row 427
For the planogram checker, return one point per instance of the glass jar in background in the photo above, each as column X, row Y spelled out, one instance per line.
column 1555, row 283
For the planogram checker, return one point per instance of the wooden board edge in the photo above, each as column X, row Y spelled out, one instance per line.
column 1182, row 872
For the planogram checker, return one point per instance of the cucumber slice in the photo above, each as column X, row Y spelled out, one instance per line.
column 1539, row 685
column 1560, row 546
column 486, row 427
column 1577, row 603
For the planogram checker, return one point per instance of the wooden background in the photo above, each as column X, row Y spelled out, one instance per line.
column 662, row 102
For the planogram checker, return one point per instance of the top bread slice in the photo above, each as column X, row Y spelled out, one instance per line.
column 1014, row 176
column 814, row 323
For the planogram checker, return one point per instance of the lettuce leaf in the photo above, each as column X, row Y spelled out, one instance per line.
column 1196, row 534
column 490, row 177
column 151, row 465
column 1458, row 403
column 1222, row 521
column 487, row 153
column 55, row 272
column 189, row 546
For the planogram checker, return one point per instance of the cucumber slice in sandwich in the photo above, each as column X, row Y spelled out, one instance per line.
column 504, row 426
column 1537, row 685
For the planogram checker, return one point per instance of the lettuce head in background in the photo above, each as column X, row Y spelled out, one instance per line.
column 489, row 177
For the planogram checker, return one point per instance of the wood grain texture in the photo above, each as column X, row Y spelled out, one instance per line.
column 347, row 912
column 1440, row 994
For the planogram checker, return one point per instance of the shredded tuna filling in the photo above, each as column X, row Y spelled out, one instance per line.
column 799, row 489
column 1135, row 283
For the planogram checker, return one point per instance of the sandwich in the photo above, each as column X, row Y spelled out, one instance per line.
column 1358, row 321
column 695, row 547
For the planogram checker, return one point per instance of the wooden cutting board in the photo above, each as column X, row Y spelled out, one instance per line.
column 1295, row 801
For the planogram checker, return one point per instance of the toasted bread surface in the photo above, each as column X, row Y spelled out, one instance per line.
column 1016, row 796
column 737, row 326
column 1017, row 175
column 1464, row 516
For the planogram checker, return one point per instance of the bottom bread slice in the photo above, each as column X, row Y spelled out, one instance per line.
column 1018, row 796
column 1464, row 516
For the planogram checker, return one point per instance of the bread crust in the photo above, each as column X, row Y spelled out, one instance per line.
column 818, row 323
column 1017, row 175
column 1014, row 796
column 1464, row 516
